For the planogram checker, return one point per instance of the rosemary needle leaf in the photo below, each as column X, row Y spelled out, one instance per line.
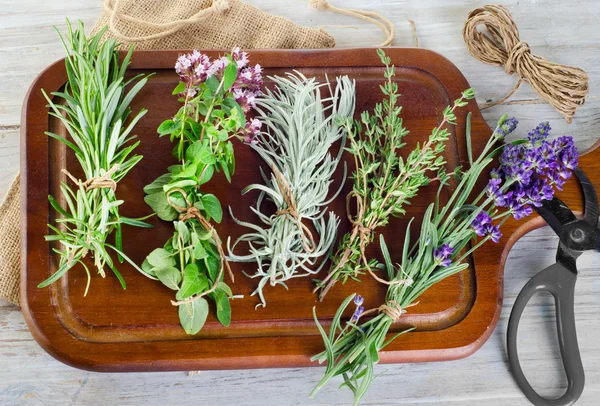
column 95, row 110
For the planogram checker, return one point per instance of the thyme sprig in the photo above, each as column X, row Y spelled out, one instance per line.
column 302, row 125
column 94, row 114
column 528, row 173
column 383, row 181
column 216, row 97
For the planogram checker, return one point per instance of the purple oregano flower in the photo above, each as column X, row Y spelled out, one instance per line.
column 195, row 68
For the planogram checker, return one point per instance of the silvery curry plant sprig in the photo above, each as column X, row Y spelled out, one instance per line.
column 383, row 181
column 301, row 127
column 529, row 172
column 95, row 114
column 217, row 96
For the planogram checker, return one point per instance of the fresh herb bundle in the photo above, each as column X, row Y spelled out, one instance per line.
column 94, row 114
column 216, row 95
column 301, row 128
column 383, row 181
column 529, row 172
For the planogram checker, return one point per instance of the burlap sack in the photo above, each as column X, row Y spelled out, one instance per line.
column 10, row 235
column 166, row 24
column 203, row 24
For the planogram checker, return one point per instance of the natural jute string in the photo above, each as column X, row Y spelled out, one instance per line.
column 564, row 87
column 364, row 234
column 98, row 182
column 392, row 309
column 112, row 8
column 192, row 212
column 369, row 16
column 308, row 241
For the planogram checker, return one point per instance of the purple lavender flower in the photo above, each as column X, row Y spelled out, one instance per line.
column 357, row 313
column 493, row 232
column 539, row 133
column 480, row 222
column 442, row 255
column 505, row 128
column 534, row 169
column 358, row 300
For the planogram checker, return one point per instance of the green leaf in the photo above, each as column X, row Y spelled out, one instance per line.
column 157, row 184
column 212, row 206
column 212, row 84
column 158, row 202
column 199, row 251
column 193, row 315
column 161, row 258
column 223, row 307
column 230, row 75
column 183, row 231
column 200, row 152
column 180, row 88
column 147, row 267
column 180, row 184
column 204, row 173
column 135, row 223
column 168, row 127
column 225, row 288
column 214, row 266
column 170, row 277
column 194, row 282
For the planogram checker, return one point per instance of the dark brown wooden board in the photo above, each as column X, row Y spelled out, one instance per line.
column 138, row 329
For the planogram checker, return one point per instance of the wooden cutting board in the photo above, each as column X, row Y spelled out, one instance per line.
column 138, row 329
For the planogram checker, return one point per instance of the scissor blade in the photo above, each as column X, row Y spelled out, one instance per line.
column 590, row 213
column 556, row 214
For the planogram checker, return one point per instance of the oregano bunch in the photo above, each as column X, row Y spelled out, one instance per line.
column 95, row 112
column 301, row 127
column 383, row 181
column 529, row 172
column 217, row 96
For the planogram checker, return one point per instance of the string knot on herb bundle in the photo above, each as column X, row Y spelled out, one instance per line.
column 301, row 126
column 383, row 181
column 286, row 192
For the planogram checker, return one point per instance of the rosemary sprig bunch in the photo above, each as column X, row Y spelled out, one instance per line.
column 216, row 96
column 383, row 181
column 94, row 113
column 528, row 173
column 301, row 128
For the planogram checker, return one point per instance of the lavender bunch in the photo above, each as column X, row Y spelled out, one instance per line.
column 383, row 181
column 529, row 172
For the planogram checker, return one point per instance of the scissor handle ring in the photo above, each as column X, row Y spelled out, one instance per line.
column 560, row 283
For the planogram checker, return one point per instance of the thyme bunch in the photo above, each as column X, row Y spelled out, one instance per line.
column 94, row 114
column 529, row 172
column 383, row 181
column 301, row 126
column 216, row 96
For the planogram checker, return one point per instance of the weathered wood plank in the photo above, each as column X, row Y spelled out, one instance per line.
column 558, row 30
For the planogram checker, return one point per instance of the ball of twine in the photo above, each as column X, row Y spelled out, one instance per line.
column 564, row 87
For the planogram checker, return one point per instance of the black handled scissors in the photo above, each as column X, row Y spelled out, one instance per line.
column 576, row 236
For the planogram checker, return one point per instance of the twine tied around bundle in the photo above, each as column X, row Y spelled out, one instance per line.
column 564, row 87
column 364, row 234
column 97, row 182
column 393, row 310
column 308, row 241
column 187, row 213
column 112, row 8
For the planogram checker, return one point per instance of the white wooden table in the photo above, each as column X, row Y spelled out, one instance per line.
column 563, row 31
